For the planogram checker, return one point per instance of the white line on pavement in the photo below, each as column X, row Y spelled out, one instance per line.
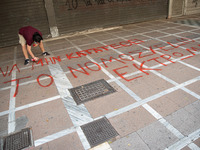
column 78, row 113
column 11, row 116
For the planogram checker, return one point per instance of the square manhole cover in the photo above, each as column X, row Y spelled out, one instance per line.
column 99, row 131
column 91, row 91
column 18, row 141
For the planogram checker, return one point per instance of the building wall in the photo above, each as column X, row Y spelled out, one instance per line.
column 192, row 7
column 15, row 14
column 177, row 8
column 185, row 7
column 78, row 15
column 57, row 17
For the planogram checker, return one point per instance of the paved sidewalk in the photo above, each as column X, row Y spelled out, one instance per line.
column 153, row 68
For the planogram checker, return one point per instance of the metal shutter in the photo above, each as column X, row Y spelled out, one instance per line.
column 15, row 14
column 79, row 15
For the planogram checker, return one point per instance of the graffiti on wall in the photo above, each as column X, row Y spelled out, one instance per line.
column 195, row 2
column 74, row 4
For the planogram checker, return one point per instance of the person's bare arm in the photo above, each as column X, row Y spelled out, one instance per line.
column 31, row 53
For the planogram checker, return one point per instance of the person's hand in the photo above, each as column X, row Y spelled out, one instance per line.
column 35, row 59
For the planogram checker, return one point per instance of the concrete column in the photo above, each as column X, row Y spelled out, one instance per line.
column 170, row 9
column 51, row 18
column 185, row 7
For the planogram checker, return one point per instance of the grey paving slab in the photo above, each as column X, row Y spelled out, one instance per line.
column 4, row 103
column 153, row 43
column 131, row 121
column 57, row 46
column 155, row 34
column 197, row 142
column 186, row 148
column 194, row 109
column 63, row 52
column 138, row 36
column 189, row 35
column 27, row 95
column 117, row 100
column 171, row 31
column 181, row 98
column 83, row 41
column 123, row 33
column 130, row 142
column 70, row 141
column 184, row 121
column 41, row 147
column 173, row 39
column 147, row 85
column 156, row 136
column 104, row 37
column 164, row 106
column 194, row 61
column 186, row 28
column 3, row 126
column 45, row 120
column 179, row 73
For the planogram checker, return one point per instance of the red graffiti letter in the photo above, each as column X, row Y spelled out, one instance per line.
column 163, row 56
column 157, row 60
column 121, row 74
column 80, row 53
column 15, row 65
column 153, row 52
column 72, row 69
column 136, row 41
column 177, row 54
column 193, row 49
column 3, row 72
column 127, row 43
column 126, row 59
column 70, row 56
column 111, row 58
column 16, row 90
column 40, row 61
column 54, row 59
column 47, row 84
column 98, row 66
column 142, row 69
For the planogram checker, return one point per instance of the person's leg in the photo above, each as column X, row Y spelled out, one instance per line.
column 44, row 53
column 41, row 46
column 22, row 41
column 25, row 51
column 26, row 62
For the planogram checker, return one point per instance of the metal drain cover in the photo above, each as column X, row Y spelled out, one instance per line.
column 18, row 141
column 99, row 131
column 91, row 91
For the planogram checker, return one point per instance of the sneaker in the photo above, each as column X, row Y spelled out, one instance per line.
column 45, row 54
column 26, row 62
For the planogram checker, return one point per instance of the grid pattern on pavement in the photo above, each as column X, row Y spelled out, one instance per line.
column 154, row 69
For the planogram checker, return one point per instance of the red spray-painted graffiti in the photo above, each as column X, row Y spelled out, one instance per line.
column 122, row 58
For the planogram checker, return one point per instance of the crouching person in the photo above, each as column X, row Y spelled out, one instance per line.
column 28, row 36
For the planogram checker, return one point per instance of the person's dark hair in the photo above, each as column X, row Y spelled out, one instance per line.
column 37, row 37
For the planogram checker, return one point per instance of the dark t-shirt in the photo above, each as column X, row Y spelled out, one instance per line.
column 27, row 33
